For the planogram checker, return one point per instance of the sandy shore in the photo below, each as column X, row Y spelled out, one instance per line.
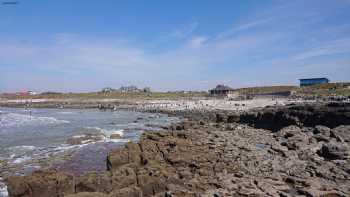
column 200, row 104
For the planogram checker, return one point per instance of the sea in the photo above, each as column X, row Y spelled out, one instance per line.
column 33, row 138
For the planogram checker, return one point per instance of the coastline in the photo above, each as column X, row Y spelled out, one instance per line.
column 68, row 156
column 214, row 153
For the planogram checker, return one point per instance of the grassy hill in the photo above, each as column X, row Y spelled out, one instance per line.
column 266, row 89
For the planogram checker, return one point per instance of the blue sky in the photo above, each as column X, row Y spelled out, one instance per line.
column 85, row 45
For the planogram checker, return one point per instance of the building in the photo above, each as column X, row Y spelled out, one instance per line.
column 223, row 90
column 313, row 81
column 32, row 93
column 146, row 89
column 128, row 89
column 107, row 90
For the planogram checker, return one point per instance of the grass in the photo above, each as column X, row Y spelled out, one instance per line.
column 266, row 89
column 112, row 95
column 330, row 89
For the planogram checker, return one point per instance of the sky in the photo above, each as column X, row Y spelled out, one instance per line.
column 86, row 45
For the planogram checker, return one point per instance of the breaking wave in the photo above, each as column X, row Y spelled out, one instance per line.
column 107, row 132
column 3, row 189
column 14, row 119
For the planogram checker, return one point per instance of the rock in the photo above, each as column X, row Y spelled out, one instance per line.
column 322, row 133
column 334, row 150
column 94, row 182
column 115, row 136
column 289, row 131
column 88, row 194
column 341, row 133
column 127, row 192
column 41, row 184
column 221, row 118
column 319, row 129
column 294, row 137
column 130, row 154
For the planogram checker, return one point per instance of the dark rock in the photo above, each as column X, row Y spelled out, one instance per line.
column 333, row 151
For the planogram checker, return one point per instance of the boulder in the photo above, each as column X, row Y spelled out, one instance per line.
column 334, row 151
column 341, row 133
column 41, row 184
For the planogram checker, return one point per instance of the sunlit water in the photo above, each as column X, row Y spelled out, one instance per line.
column 29, row 137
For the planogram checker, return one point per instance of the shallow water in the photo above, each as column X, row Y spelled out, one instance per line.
column 28, row 137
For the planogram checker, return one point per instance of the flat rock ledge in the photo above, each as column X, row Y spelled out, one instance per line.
column 197, row 158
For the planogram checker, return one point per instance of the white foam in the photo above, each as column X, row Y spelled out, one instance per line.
column 108, row 132
column 119, row 132
column 3, row 189
column 14, row 119
column 66, row 112
column 79, row 136
column 21, row 159
column 23, row 148
column 118, row 140
column 86, row 141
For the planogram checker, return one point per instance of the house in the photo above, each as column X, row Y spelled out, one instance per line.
column 128, row 89
column 313, row 81
column 107, row 90
column 223, row 90
column 32, row 93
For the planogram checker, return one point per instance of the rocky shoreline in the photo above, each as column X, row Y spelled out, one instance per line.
column 295, row 150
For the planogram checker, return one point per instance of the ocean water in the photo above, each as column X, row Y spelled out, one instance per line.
column 30, row 137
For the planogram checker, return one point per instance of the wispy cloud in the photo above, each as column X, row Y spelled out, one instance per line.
column 185, row 30
column 245, row 26
column 331, row 48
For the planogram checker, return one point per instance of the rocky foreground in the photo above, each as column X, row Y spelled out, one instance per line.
column 288, row 151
